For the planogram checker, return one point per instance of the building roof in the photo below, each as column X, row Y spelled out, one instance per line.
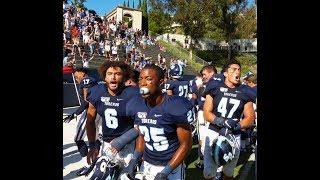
column 128, row 8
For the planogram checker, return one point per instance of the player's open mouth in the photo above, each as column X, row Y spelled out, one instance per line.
column 113, row 83
column 237, row 78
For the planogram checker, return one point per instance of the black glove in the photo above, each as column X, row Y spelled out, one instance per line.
column 232, row 125
column 161, row 176
column 219, row 121
column 69, row 118
column 224, row 131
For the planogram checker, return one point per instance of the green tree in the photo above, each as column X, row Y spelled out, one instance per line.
column 124, row 4
column 128, row 4
column 79, row 3
column 133, row 4
column 139, row 5
column 159, row 22
column 217, row 19
column 190, row 15
column 224, row 18
column 144, row 9
column 247, row 24
column 158, row 18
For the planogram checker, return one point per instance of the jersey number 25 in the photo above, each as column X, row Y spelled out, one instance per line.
column 160, row 143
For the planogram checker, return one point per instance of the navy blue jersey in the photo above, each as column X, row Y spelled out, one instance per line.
column 112, row 109
column 202, row 92
column 179, row 88
column 253, row 92
column 228, row 102
column 218, row 77
column 211, row 84
column 200, row 99
column 193, row 86
column 86, row 82
column 159, row 126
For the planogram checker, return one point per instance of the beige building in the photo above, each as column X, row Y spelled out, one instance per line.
column 133, row 17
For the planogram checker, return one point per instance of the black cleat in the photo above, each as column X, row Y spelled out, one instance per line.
column 83, row 171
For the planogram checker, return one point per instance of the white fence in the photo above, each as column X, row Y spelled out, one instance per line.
column 240, row 45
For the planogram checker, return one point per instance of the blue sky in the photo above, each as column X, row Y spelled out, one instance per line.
column 104, row 6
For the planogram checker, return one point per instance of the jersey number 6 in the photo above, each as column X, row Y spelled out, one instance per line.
column 111, row 118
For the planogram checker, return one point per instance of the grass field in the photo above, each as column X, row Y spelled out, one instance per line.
column 245, row 169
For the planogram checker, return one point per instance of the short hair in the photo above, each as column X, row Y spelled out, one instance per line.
column 209, row 68
column 252, row 78
column 229, row 63
column 134, row 76
column 199, row 74
column 81, row 69
column 126, row 69
column 159, row 70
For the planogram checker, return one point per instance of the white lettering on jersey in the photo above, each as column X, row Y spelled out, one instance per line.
column 149, row 121
column 111, row 103
column 230, row 94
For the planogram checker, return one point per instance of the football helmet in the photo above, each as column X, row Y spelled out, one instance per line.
column 176, row 71
column 223, row 151
column 104, row 168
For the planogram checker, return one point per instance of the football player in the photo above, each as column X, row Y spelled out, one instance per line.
column 133, row 79
column 165, row 134
column 224, row 104
column 86, row 83
column 109, row 101
column 177, row 86
column 207, row 73
column 251, row 81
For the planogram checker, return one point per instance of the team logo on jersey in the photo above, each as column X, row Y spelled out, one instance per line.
column 222, row 89
column 142, row 115
column 217, row 79
column 157, row 115
column 105, row 99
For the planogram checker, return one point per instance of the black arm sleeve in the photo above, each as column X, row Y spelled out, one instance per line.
column 84, row 105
